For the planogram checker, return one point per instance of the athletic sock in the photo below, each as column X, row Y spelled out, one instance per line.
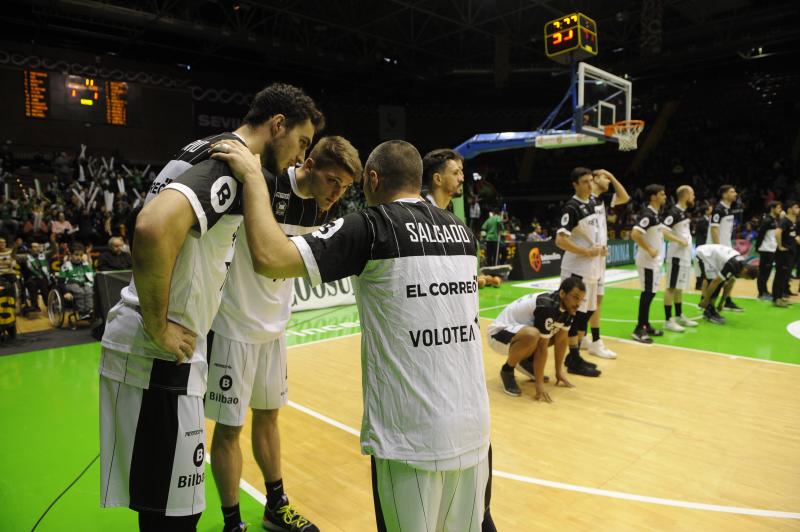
column 574, row 356
column 274, row 493
column 507, row 369
column 231, row 516
column 668, row 312
column 644, row 307
column 679, row 309
column 595, row 334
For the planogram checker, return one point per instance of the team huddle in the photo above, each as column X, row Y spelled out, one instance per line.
column 200, row 331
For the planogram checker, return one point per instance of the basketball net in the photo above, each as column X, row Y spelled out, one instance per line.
column 626, row 132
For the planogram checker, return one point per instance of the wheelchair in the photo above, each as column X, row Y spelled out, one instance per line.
column 60, row 309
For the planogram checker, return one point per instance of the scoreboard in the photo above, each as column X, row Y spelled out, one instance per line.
column 53, row 95
column 570, row 38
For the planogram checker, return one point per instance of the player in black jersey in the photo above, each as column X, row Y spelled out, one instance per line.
column 767, row 245
column 788, row 240
column 152, row 438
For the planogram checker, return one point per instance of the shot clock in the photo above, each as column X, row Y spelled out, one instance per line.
column 570, row 38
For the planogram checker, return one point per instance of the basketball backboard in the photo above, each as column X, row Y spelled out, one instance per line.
column 602, row 100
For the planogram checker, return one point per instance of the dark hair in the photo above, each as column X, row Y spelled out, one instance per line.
column 579, row 172
column 287, row 100
column 724, row 188
column 434, row 161
column 652, row 190
column 572, row 282
column 77, row 248
column 772, row 204
column 790, row 204
column 337, row 151
column 749, row 271
column 398, row 163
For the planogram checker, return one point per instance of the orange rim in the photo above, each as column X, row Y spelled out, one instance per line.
column 625, row 124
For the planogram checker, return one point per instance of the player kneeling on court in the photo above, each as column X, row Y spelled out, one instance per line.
column 720, row 265
column 528, row 326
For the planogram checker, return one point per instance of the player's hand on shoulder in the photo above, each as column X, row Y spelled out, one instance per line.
column 245, row 164
column 176, row 340
column 653, row 253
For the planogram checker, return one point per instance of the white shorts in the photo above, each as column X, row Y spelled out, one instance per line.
column 242, row 375
column 707, row 271
column 678, row 273
column 500, row 336
column 152, row 446
column 649, row 278
column 601, row 279
column 589, row 302
column 407, row 498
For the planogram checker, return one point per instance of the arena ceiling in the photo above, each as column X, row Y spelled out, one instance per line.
column 432, row 44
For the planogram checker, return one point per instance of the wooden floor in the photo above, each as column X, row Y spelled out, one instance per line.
column 660, row 422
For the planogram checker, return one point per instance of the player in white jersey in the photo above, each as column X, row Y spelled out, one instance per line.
column 152, row 431
column 247, row 351
column 602, row 180
column 528, row 326
column 677, row 221
column 578, row 237
column 720, row 266
column 443, row 180
column 720, row 231
column 648, row 233
column 414, row 272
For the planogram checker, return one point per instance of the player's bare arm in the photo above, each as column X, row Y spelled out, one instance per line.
column 638, row 237
column 621, row 196
column 560, row 345
column 672, row 237
column 539, row 363
column 564, row 242
column 161, row 228
column 273, row 254
column 715, row 234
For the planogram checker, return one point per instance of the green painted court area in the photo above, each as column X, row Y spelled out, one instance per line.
column 50, row 404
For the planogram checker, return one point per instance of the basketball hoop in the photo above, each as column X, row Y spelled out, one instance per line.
column 626, row 133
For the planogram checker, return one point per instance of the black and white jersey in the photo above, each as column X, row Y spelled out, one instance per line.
column 788, row 233
column 254, row 308
column 766, row 241
column 724, row 261
column 678, row 221
column 421, row 350
column 648, row 222
column 542, row 311
column 197, row 277
column 722, row 218
column 579, row 222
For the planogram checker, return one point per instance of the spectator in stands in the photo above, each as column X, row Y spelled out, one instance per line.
column 7, row 261
column 79, row 281
column 115, row 258
column 8, row 223
column 536, row 234
column 474, row 214
column 60, row 228
column 36, row 272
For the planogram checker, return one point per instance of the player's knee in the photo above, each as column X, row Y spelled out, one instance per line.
column 226, row 434
column 527, row 337
column 265, row 417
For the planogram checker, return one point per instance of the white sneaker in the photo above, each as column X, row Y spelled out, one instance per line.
column 599, row 350
column 686, row 322
column 672, row 325
column 585, row 342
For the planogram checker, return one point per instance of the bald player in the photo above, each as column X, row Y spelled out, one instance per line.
column 679, row 259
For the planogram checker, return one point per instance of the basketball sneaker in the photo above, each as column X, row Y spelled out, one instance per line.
column 713, row 316
column 286, row 517
column 672, row 325
column 685, row 322
column 765, row 297
column 599, row 349
column 640, row 335
column 781, row 303
column 655, row 333
column 241, row 527
column 510, row 383
column 730, row 305
column 526, row 368
column 585, row 343
column 578, row 366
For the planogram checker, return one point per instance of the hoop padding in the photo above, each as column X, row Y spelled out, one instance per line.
column 626, row 133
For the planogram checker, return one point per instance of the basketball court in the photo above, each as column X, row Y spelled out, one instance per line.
column 698, row 431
